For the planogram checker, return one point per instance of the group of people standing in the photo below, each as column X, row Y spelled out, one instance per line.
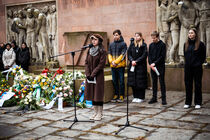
column 11, row 54
column 137, row 54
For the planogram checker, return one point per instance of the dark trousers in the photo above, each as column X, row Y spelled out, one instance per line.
column 161, row 80
column 193, row 74
column 118, row 75
column 138, row 93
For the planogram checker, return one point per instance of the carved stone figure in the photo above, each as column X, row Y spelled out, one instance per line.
column 53, row 30
column 173, row 20
column 205, row 24
column 20, row 21
column 41, row 31
column 31, row 37
column 10, row 33
column 16, row 35
column 188, row 17
column 163, row 26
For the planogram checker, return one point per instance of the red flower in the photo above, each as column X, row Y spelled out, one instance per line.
column 6, row 89
column 19, row 92
column 14, row 95
column 59, row 71
column 46, row 70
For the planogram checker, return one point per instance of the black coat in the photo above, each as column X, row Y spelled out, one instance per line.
column 1, row 54
column 24, row 58
column 138, row 78
column 194, row 58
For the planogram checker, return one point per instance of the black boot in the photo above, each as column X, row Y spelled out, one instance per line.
column 164, row 101
column 152, row 101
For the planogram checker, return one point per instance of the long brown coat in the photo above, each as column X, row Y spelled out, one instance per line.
column 94, row 66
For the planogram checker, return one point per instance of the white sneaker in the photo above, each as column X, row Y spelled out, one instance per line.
column 197, row 106
column 186, row 106
column 139, row 100
column 134, row 100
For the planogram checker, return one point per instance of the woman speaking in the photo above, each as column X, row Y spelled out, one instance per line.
column 94, row 70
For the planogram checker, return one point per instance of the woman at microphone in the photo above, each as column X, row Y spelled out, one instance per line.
column 137, row 72
column 94, row 70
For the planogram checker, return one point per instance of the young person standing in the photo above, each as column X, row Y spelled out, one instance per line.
column 195, row 55
column 117, row 60
column 137, row 78
column 157, row 55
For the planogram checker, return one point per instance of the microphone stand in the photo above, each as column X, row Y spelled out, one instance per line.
column 75, row 120
column 127, row 123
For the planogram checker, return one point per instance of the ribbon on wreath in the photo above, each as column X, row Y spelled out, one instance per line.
column 50, row 105
column 17, row 87
column 52, row 93
column 6, row 96
column 10, row 70
column 82, row 96
column 37, row 91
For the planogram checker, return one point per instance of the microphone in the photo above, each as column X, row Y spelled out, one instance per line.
column 132, row 39
column 87, row 46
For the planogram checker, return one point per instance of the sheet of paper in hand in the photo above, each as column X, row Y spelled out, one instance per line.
column 92, row 82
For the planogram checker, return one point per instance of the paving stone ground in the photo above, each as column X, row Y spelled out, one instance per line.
column 170, row 122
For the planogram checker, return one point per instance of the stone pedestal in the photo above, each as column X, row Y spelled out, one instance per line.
column 52, row 64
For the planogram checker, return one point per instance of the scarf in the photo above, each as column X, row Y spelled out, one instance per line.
column 94, row 51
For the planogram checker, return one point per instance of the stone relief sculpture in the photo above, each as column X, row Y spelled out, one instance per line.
column 204, row 14
column 180, row 18
column 31, row 36
column 188, row 17
column 163, row 26
column 53, row 30
column 43, row 42
column 37, row 26
column 10, row 33
column 20, row 22
column 173, row 21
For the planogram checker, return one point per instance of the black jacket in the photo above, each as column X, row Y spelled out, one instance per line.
column 24, row 58
column 1, row 61
column 16, row 50
column 157, row 53
column 194, row 58
column 138, row 78
column 1, row 52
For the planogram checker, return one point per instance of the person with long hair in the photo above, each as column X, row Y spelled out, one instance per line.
column 137, row 78
column 195, row 55
column 8, row 57
column 24, row 56
column 94, row 71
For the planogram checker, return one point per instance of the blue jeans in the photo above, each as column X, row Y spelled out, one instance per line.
column 118, row 74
